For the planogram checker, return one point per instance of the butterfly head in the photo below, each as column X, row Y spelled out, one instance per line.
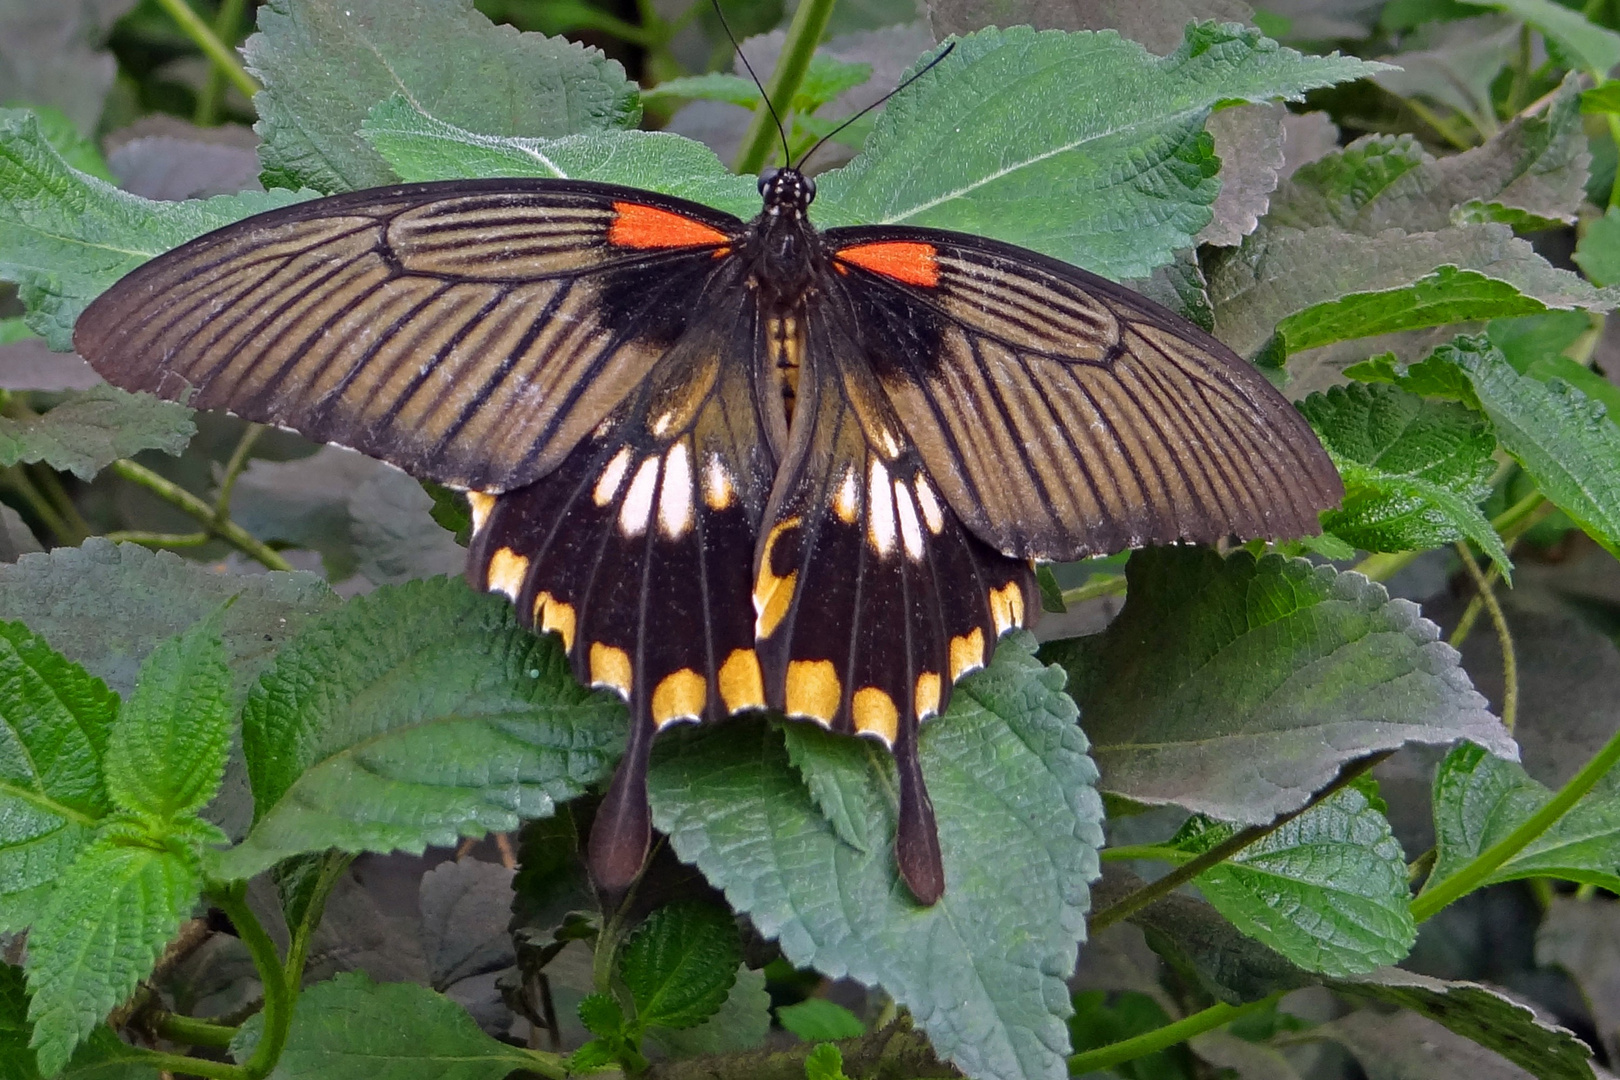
column 787, row 192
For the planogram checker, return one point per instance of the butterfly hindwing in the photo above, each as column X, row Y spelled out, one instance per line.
column 1062, row 415
column 472, row 332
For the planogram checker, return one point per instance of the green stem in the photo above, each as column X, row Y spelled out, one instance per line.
column 1614, row 134
column 1486, row 863
column 51, row 485
column 158, row 539
column 280, row 995
column 803, row 35
column 1521, row 72
column 1510, row 662
column 1218, row 1015
column 1156, row 852
column 180, row 1064
column 189, row 1031
column 1508, row 523
column 1433, row 119
column 227, row 28
column 234, row 468
column 1096, row 585
column 222, row 527
column 298, row 940
column 17, row 480
column 205, row 39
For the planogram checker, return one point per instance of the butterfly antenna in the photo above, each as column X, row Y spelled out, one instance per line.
column 781, row 132
column 926, row 69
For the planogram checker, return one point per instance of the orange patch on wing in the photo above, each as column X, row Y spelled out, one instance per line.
column 904, row 260
column 638, row 226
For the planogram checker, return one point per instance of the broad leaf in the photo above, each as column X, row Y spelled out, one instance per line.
column 55, row 719
column 1596, row 48
column 983, row 969
column 1327, row 890
column 66, row 236
column 1479, row 800
column 412, row 716
column 820, row 1020
column 680, row 964
column 50, row 54
column 1158, row 25
column 1454, row 63
column 351, row 1028
column 825, row 1062
column 102, row 1056
column 1414, row 471
column 1598, row 252
column 1083, row 146
column 167, row 752
column 1583, row 938
column 93, row 428
column 1249, row 144
column 1486, row 1016
column 1396, row 1046
column 1564, row 440
column 109, row 918
column 423, row 147
column 107, row 605
column 325, row 63
column 1236, row 688
column 742, row 1023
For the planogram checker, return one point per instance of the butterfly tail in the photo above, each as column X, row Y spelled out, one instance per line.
column 916, row 842
column 622, row 832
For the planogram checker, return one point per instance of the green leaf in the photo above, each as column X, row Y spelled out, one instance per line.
column 78, row 151
column 1454, row 64
column 1479, row 800
column 1083, row 146
column 824, row 1063
column 601, row 1015
column 413, row 716
column 1595, row 48
column 1051, row 591
column 1602, row 99
column 680, row 964
column 65, row 236
column 820, row 1020
column 167, row 753
column 983, row 969
column 1537, row 337
column 1097, row 1022
column 1237, row 688
column 325, row 63
column 1428, row 378
column 1598, row 252
column 422, row 147
column 55, row 720
column 826, row 80
column 1328, row 890
column 743, row 1022
column 712, row 86
column 91, row 429
column 1564, row 440
column 109, row 918
column 1415, row 471
column 106, row 606
column 102, row 1056
column 350, row 1028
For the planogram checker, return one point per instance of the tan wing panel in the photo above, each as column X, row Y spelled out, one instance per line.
column 465, row 332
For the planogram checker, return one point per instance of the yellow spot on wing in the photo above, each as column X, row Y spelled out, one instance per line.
column 772, row 594
column 967, row 653
column 481, row 503
column 927, row 696
column 1007, row 607
column 679, row 696
column 506, row 570
column 875, row 714
column 742, row 684
column 813, row 690
column 552, row 614
column 610, row 667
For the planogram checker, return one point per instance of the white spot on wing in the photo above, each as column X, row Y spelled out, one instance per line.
column 637, row 507
column 930, row 506
column 880, row 509
column 675, row 495
column 607, row 485
column 848, row 500
column 910, row 530
column 717, row 490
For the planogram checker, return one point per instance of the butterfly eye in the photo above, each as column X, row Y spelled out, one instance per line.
column 766, row 177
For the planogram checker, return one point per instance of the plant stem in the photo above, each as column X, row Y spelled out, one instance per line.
column 227, row 28
column 1510, row 662
column 1486, row 863
column 189, row 1031
column 1217, row 1015
column 1512, row 522
column 157, row 539
column 1521, row 72
column 222, row 527
column 234, row 467
column 180, row 1064
column 803, row 35
column 1433, row 119
column 51, row 485
column 1385, row 565
column 1156, row 852
column 17, row 480
column 205, row 39
column 1175, row 879
column 279, row 995
column 1096, row 585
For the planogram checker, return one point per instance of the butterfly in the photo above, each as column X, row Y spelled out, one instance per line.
column 731, row 465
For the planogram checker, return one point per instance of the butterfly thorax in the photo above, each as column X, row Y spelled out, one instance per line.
column 786, row 256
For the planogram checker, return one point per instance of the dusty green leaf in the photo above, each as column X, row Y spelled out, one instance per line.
column 1596, row 48
column 710, row 86
column 1583, row 938
column 350, row 1028
column 51, row 54
column 412, row 716
column 1453, row 64
column 1083, row 146
column 93, row 428
column 1328, row 890
column 1598, row 252
column 55, row 720
column 325, row 63
column 983, row 969
column 1159, row 26
column 1237, row 688
column 106, row 606
column 167, row 752
column 1249, row 144
column 820, row 1020
column 423, row 147
column 1415, row 471
column 111, row 914
column 743, row 1022
column 680, row 964
column 1564, row 440
column 65, row 236
column 1479, row 800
